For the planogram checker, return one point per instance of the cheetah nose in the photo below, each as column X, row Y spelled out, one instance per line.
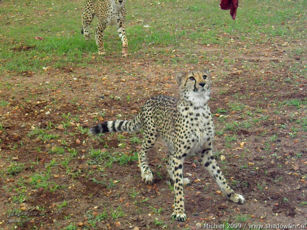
column 202, row 84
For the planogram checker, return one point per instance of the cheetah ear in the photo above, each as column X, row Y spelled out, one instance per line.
column 179, row 77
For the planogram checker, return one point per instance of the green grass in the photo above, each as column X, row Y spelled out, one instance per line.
column 242, row 218
column 117, row 213
column 157, row 211
column 126, row 159
column 61, row 43
column 114, row 214
column 303, row 203
column 42, row 134
column 108, row 158
column 93, row 220
column 229, row 140
column 235, row 106
column 231, row 126
column 20, row 198
column 221, row 111
column 41, row 180
column 296, row 102
column 62, row 205
column 3, row 103
column 44, row 179
column 133, row 194
column 70, row 227
column 98, row 155
column 57, row 150
column 15, row 168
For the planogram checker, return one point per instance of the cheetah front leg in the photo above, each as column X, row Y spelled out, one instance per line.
column 209, row 163
column 179, row 211
column 122, row 35
column 101, row 26
column 87, row 18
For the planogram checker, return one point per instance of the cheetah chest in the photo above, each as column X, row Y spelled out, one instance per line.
column 201, row 128
column 115, row 12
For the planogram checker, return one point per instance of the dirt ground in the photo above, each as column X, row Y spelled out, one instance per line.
column 265, row 161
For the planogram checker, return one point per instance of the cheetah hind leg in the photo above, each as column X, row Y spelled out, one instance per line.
column 148, row 143
column 124, row 52
column 146, row 173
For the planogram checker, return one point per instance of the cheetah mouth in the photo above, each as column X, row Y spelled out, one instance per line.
column 200, row 90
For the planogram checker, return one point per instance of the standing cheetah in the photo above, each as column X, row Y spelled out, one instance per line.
column 107, row 12
column 186, row 126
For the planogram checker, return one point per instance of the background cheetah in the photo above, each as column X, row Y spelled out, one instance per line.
column 186, row 126
column 107, row 12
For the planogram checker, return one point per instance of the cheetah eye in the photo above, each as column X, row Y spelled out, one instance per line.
column 192, row 78
column 204, row 77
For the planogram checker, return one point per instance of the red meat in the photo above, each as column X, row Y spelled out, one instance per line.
column 231, row 5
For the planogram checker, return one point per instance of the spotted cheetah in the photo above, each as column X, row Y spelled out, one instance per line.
column 186, row 125
column 107, row 12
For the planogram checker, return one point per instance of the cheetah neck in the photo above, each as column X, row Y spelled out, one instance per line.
column 198, row 99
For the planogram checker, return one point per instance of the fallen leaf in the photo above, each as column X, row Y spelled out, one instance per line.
column 242, row 144
column 15, row 158
column 38, row 38
column 295, row 167
column 60, row 127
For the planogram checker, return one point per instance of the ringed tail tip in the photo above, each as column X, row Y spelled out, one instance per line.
column 101, row 128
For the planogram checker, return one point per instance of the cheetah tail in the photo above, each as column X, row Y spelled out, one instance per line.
column 117, row 126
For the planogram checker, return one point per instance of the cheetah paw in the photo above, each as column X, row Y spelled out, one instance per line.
column 237, row 198
column 124, row 52
column 186, row 181
column 101, row 52
column 179, row 216
column 147, row 177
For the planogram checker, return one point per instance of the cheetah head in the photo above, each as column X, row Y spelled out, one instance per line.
column 195, row 86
